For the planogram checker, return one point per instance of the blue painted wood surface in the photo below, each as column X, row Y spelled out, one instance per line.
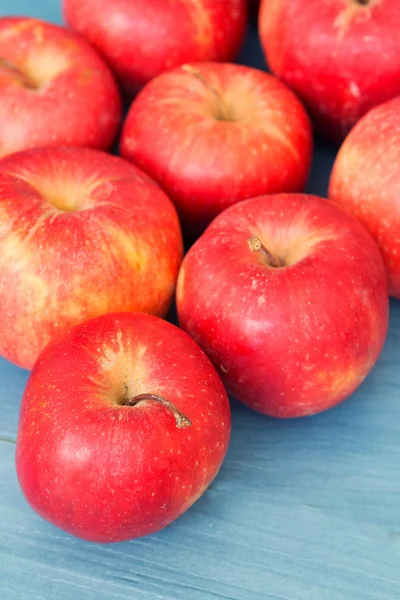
column 302, row 510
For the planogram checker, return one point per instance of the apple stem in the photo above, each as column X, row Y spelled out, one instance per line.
column 223, row 113
column 13, row 70
column 180, row 419
column 256, row 245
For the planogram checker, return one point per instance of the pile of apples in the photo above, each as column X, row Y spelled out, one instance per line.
column 282, row 297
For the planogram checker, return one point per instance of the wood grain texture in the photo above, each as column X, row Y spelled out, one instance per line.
column 302, row 510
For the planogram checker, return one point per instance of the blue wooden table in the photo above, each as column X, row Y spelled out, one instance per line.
column 302, row 510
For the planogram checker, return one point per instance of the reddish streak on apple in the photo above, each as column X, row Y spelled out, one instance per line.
column 54, row 89
column 214, row 134
column 99, row 468
column 341, row 57
column 142, row 38
column 82, row 233
column 295, row 339
column 365, row 181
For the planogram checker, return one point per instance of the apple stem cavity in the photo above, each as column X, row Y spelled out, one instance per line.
column 222, row 114
column 181, row 420
column 13, row 70
column 256, row 245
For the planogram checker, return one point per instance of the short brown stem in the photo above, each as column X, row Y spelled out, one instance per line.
column 13, row 70
column 180, row 419
column 256, row 245
column 222, row 108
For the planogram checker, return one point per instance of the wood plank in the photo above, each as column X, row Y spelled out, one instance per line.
column 12, row 384
column 301, row 510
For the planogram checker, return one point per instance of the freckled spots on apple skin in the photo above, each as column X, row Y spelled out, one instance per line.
column 185, row 30
column 276, row 372
column 324, row 67
column 52, row 300
column 187, row 106
column 143, row 500
column 87, row 116
column 364, row 182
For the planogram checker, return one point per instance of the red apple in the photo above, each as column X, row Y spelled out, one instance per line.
column 341, row 57
column 365, row 181
column 142, row 38
column 213, row 134
column 82, row 233
column 54, row 89
column 124, row 424
column 287, row 295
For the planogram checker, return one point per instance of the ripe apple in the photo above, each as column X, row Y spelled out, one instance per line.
column 54, row 89
column 341, row 57
column 82, row 233
column 287, row 295
column 213, row 134
column 365, row 181
column 124, row 424
column 142, row 38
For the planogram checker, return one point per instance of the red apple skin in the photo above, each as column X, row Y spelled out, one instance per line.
column 142, row 38
column 107, row 472
column 82, row 233
column 365, row 181
column 340, row 57
column 295, row 340
column 213, row 134
column 54, row 89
